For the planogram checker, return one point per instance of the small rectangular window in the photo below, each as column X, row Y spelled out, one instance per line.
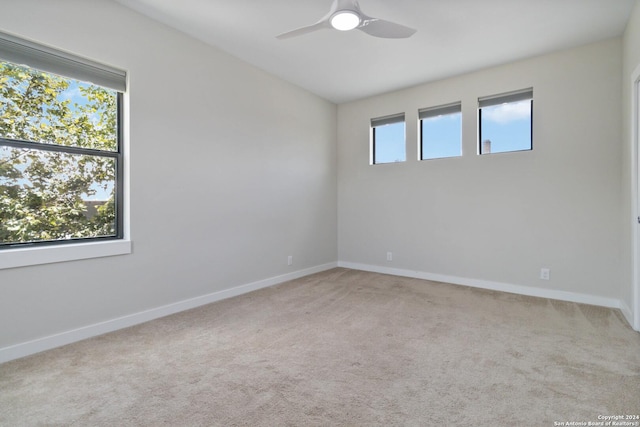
column 505, row 122
column 388, row 139
column 440, row 132
column 61, row 166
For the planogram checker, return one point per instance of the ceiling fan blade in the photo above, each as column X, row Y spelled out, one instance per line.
column 385, row 29
column 372, row 26
column 304, row 30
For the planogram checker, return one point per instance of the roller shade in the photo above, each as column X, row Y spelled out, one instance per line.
column 440, row 110
column 521, row 95
column 387, row 120
column 51, row 60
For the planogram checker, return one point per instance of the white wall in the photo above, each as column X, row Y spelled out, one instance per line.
column 631, row 61
column 232, row 170
column 497, row 219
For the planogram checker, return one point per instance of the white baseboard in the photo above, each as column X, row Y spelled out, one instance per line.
column 628, row 314
column 52, row 341
column 494, row 286
column 68, row 337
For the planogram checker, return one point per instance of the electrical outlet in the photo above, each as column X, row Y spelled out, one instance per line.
column 290, row 260
column 544, row 273
column 389, row 256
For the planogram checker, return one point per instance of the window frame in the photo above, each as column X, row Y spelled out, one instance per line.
column 440, row 110
column 50, row 60
column 115, row 155
column 506, row 98
column 382, row 121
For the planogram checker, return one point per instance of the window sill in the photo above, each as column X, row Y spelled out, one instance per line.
column 23, row 257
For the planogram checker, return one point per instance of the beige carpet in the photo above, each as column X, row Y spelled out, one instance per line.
column 341, row 347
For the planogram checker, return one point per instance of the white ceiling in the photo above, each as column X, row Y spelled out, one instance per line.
column 453, row 37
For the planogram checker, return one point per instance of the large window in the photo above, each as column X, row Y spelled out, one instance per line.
column 388, row 139
column 440, row 132
column 505, row 122
column 61, row 168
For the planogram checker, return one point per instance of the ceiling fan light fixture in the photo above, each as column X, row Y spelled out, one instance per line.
column 345, row 20
column 345, row 15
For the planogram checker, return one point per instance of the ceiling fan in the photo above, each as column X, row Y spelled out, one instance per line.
column 346, row 15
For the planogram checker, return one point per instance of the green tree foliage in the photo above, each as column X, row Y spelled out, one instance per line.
column 42, row 193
